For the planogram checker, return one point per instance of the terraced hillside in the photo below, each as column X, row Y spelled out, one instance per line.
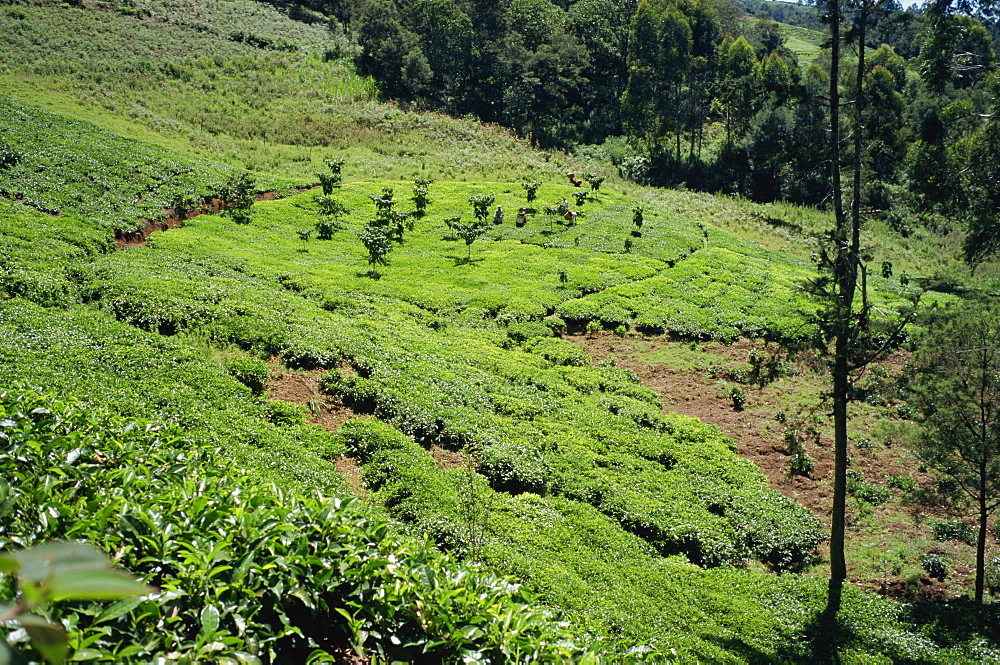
column 521, row 502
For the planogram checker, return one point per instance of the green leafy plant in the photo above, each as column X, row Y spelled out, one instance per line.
column 935, row 564
column 904, row 483
column 420, row 198
column 469, row 233
column 954, row 530
column 738, row 398
column 531, row 189
column 250, row 371
column 238, row 194
column 866, row 491
column 54, row 572
column 595, row 180
column 332, row 180
column 481, row 204
column 378, row 243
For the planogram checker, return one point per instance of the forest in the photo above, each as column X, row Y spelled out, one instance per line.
column 441, row 331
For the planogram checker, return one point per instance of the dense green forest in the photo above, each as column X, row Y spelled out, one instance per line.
column 364, row 332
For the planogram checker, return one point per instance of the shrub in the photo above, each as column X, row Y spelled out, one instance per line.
column 738, row 398
column 420, row 198
column 935, row 564
column 531, row 189
column 558, row 351
column 287, row 414
column 250, row 371
column 947, row 486
column 867, row 491
column 904, row 483
column 481, row 206
column 523, row 331
column 801, row 464
column 595, row 180
column 954, row 530
column 376, row 241
column 238, row 194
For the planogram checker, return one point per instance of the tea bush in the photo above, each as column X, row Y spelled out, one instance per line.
column 954, row 530
column 869, row 492
column 261, row 576
column 73, row 166
column 251, row 372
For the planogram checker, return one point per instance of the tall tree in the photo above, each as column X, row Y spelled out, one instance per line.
column 957, row 391
column 982, row 183
column 846, row 329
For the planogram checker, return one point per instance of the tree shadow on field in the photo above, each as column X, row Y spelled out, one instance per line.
column 824, row 638
column 372, row 273
column 464, row 260
column 954, row 621
column 820, row 640
column 818, row 643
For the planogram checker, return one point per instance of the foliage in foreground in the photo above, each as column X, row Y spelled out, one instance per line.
column 242, row 576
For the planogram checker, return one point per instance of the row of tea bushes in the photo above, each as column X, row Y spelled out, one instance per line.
column 56, row 165
column 83, row 352
column 244, row 572
column 43, row 257
column 590, row 434
column 650, row 607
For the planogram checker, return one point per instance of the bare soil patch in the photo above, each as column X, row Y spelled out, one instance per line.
column 303, row 388
column 328, row 411
column 885, row 541
column 448, row 459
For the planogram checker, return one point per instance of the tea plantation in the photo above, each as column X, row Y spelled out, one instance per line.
column 521, row 503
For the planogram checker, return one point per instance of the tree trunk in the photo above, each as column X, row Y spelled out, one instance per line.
column 842, row 340
column 981, row 538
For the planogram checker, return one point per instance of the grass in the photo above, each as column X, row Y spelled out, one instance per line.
column 805, row 43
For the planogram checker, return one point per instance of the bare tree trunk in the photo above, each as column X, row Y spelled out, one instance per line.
column 841, row 368
column 981, row 539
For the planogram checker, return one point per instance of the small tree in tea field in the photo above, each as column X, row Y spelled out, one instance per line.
column 580, row 196
column 238, row 194
column 330, row 211
column 469, row 233
column 387, row 216
column 376, row 240
column 420, row 195
column 304, row 237
column 451, row 222
column 383, row 202
column 481, row 204
column 594, row 180
column 531, row 189
column 330, row 181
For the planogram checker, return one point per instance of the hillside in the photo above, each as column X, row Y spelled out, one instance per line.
column 448, row 456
